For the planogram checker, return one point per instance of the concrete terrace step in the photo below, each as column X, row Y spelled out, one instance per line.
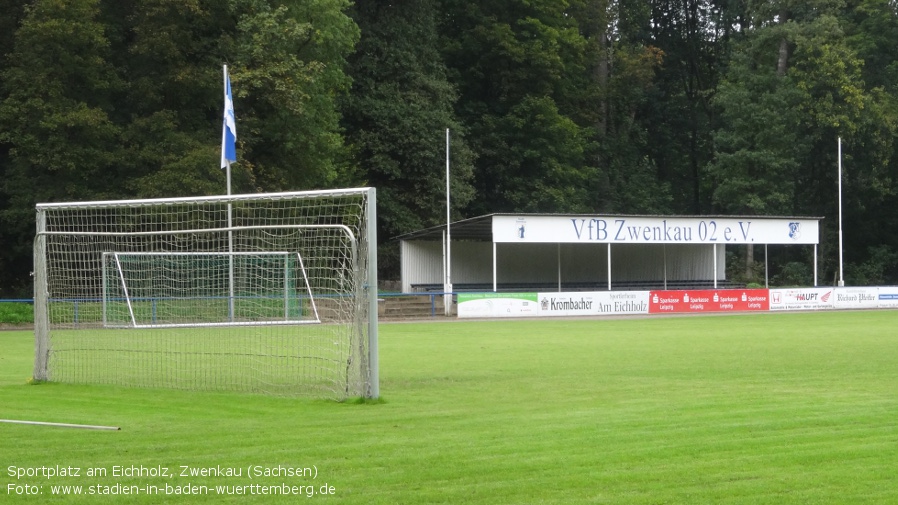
column 402, row 307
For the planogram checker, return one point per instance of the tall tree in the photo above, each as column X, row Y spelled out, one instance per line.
column 519, row 67
column 287, row 65
column 11, row 256
column 776, row 149
column 172, row 63
column 396, row 117
column 871, row 28
column 678, row 116
column 627, row 63
column 293, row 60
column 58, row 95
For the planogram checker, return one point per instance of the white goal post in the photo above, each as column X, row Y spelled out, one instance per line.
column 273, row 293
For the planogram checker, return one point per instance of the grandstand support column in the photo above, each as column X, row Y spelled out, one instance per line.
column 664, row 255
column 815, row 265
column 495, row 286
column 558, row 256
column 714, row 250
column 609, row 266
column 767, row 270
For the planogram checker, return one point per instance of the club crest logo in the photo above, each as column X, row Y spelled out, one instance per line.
column 521, row 224
column 794, row 231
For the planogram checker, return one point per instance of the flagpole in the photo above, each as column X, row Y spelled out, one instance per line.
column 230, row 252
column 841, row 278
column 230, row 213
column 447, row 296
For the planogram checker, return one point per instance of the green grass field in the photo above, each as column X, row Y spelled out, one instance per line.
column 751, row 409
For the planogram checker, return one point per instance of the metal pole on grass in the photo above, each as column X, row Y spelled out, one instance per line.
column 841, row 277
column 447, row 289
column 61, row 425
column 373, row 350
column 228, row 154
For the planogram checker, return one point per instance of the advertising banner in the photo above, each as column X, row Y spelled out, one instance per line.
column 888, row 297
column 709, row 300
column 856, row 298
column 610, row 303
column 597, row 303
column 801, row 299
column 497, row 304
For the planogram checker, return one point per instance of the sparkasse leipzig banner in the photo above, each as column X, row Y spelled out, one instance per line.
column 709, row 300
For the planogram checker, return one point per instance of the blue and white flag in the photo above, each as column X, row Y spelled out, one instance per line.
column 229, row 125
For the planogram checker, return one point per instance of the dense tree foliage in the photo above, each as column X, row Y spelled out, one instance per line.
column 396, row 120
column 612, row 106
column 110, row 99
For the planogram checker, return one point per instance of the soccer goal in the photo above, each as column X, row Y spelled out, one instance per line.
column 270, row 293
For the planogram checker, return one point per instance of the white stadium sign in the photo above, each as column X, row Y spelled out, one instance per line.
column 653, row 230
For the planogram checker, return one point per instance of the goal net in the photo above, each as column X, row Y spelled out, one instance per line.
column 269, row 293
column 171, row 289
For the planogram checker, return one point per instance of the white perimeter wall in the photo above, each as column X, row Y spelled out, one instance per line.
column 472, row 262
